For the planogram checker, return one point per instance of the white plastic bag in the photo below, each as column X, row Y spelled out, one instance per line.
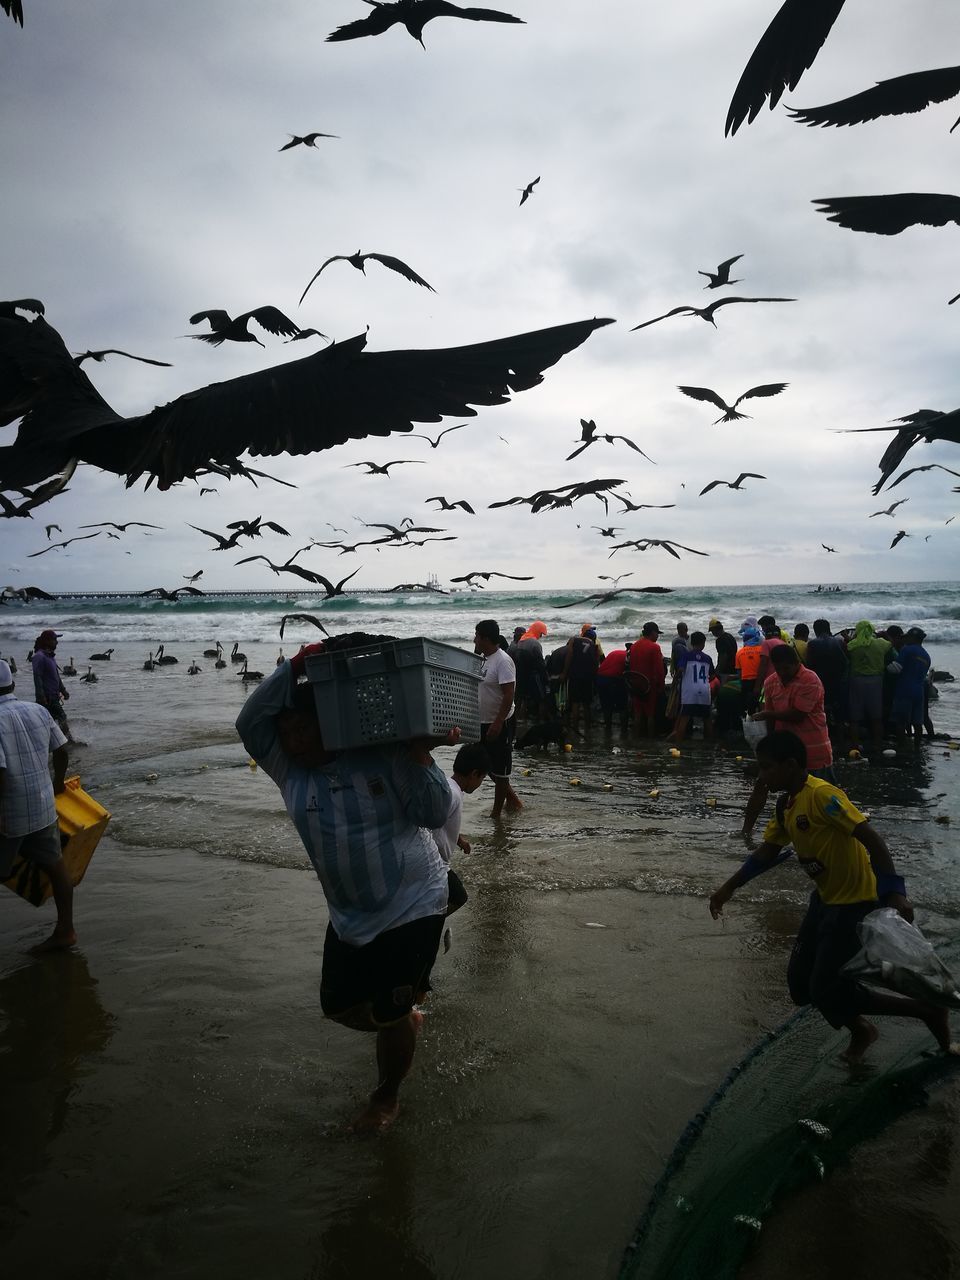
column 896, row 955
column 754, row 731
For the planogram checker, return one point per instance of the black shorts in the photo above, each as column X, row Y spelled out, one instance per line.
column 580, row 689
column 696, row 710
column 500, row 749
column 378, row 984
column 827, row 940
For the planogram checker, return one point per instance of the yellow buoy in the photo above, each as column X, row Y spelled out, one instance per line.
column 568, row 746
column 854, row 754
column 711, row 803
column 674, row 751
column 574, row 782
column 654, row 793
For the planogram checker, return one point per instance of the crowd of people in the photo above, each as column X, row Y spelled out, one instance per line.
column 872, row 684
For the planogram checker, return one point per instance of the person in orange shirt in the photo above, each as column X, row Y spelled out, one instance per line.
column 747, row 663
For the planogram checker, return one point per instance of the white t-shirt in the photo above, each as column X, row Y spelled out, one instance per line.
column 498, row 669
column 446, row 837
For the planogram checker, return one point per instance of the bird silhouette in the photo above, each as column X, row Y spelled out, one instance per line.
column 378, row 469
column 898, row 537
column 166, row 659
column 644, row 544
column 422, row 542
column 358, row 260
column 888, row 511
column 223, row 329
column 308, row 575
column 930, row 466
column 49, row 528
column 786, row 49
column 419, row 586
column 223, row 543
column 193, row 669
column 254, row 528
column 923, row 424
column 418, row 435
column 487, row 574
column 163, row 594
column 333, row 395
column 82, row 537
column 402, row 533
column 99, row 356
column 890, row 214
column 446, row 505
column 732, row 484
column 302, row 617
column 215, row 652
column 705, row 313
column 235, row 654
column 102, row 657
column 609, row 531
column 308, row 140
column 122, row 528
column 36, row 497
column 729, row 413
column 601, row 597
column 833, row 550
column 307, row 333
column 13, row 9
column 527, row 191
column 194, row 577
column 588, row 436
column 606, row 577
column 901, row 95
column 414, row 15
column 629, row 505
column 90, row 677
column 716, row 279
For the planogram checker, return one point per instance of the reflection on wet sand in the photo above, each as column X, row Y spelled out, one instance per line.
column 53, row 1022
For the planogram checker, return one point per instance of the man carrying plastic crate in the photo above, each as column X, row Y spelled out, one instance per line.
column 361, row 815
column 28, row 813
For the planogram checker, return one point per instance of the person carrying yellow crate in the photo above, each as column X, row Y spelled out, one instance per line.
column 28, row 813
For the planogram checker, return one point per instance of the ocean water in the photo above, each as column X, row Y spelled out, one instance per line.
column 197, row 622
column 588, row 1007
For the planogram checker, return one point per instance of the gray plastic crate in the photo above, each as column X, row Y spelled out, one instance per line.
column 393, row 691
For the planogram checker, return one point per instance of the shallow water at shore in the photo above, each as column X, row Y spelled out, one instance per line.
column 175, row 1103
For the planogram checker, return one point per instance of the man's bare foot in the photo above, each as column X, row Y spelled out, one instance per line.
column 938, row 1020
column 862, row 1036
column 514, row 805
column 377, row 1116
column 56, row 942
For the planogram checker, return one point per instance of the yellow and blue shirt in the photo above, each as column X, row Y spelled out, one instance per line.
column 819, row 821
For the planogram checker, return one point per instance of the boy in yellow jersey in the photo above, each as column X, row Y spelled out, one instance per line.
column 853, row 874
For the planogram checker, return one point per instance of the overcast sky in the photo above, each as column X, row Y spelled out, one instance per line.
column 143, row 181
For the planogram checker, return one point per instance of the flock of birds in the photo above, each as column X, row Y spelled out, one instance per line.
column 160, row 658
column 344, row 392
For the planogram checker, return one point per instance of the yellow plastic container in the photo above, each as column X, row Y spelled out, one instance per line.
column 82, row 822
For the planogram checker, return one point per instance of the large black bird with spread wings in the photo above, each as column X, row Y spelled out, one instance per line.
column 340, row 393
column 888, row 215
column 786, row 50
column 414, row 15
column 899, row 96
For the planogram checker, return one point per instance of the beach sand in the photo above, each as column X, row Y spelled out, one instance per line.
column 174, row 1104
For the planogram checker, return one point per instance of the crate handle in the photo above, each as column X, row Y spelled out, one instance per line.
column 356, row 663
